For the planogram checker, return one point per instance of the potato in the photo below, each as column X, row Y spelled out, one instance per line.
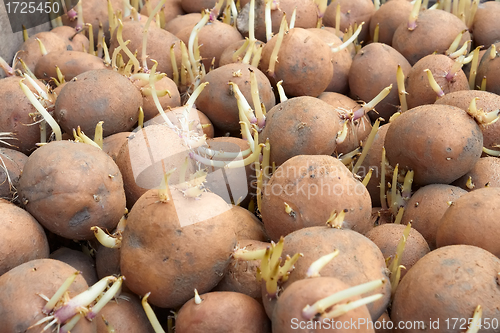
column 357, row 130
column 11, row 166
column 387, row 238
column 415, row 44
column 85, row 184
column 181, row 21
column 388, row 17
column 486, row 173
column 227, row 56
column 447, row 283
column 115, row 100
column 197, row 119
column 241, row 275
column 107, row 261
column 351, row 13
column 484, row 27
column 373, row 69
column 79, row 261
column 287, row 315
column 170, row 100
column 222, row 312
column 77, row 40
column 166, row 253
column 418, row 86
column 218, row 102
column 427, row 206
column 71, row 64
column 27, row 282
column 479, row 206
column 22, row 237
column 171, row 10
column 125, row 315
column 313, row 186
column 301, row 126
column 488, row 67
column 359, row 260
column 439, row 143
column 486, row 101
column 112, row 144
column 30, row 51
column 304, row 63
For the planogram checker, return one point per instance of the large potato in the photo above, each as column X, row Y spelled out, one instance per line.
column 70, row 187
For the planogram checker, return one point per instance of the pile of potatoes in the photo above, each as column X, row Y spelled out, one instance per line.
column 253, row 166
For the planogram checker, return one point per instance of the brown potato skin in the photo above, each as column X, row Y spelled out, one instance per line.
column 12, row 162
column 486, row 173
column 480, row 206
column 387, row 238
column 115, row 100
column 427, row 206
column 306, row 182
column 484, row 27
column 416, row 44
column 15, row 108
column 160, row 256
column 26, row 281
column 217, row 100
column 171, row 10
column 79, row 261
column 374, row 68
column 70, row 187
column 125, row 316
column 107, row 261
column 77, row 42
column 241, row 275
column 489, row 67
column 227, row 55
column 359, row 260
column 213, row 38
column 389, row 16
column 170, row 100
column 487, row 101
column 307, row 72
column 287, row 315
column 22, row 237
column 71, row 64
column 30, row 50
column 447, row 145
column 351, row 12
column 222, row 312
column 301, row 126
column 418, row 86
column 112, row 144
column 358, row 130
column 447, row 283
column 181, row 21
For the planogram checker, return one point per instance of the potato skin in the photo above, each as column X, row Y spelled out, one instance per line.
column 22, row 237
column 389, row 16
column 440, row 144
column 427, row 206
column 71, row 64
column 26, row 281
column 301, row 126
column 447, row 283
column 313, row 186
column 351, row 12
column 486, row 173
column 115, row 100
column 161, row 256
column 480, row 206
column 13, row 161
column 484, row 27
column 70, row 187
column 222, row 312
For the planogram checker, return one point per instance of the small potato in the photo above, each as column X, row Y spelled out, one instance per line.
column 181, row 21
column 79, row 261
column 388, row 17
column 484, row 26
column 85, row 187
column 486, row 173
column 11, row 167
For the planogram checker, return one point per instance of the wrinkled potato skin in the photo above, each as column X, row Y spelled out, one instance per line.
column 17, row 227
column 446, row 146
column 448, row 283
column 115, row 100
column 71, row 64
column 222, row 312
column 160, row 256
column 70, row 187
column 480, row 206
column 427, row 206
column 486, row 101
column 20, row 304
